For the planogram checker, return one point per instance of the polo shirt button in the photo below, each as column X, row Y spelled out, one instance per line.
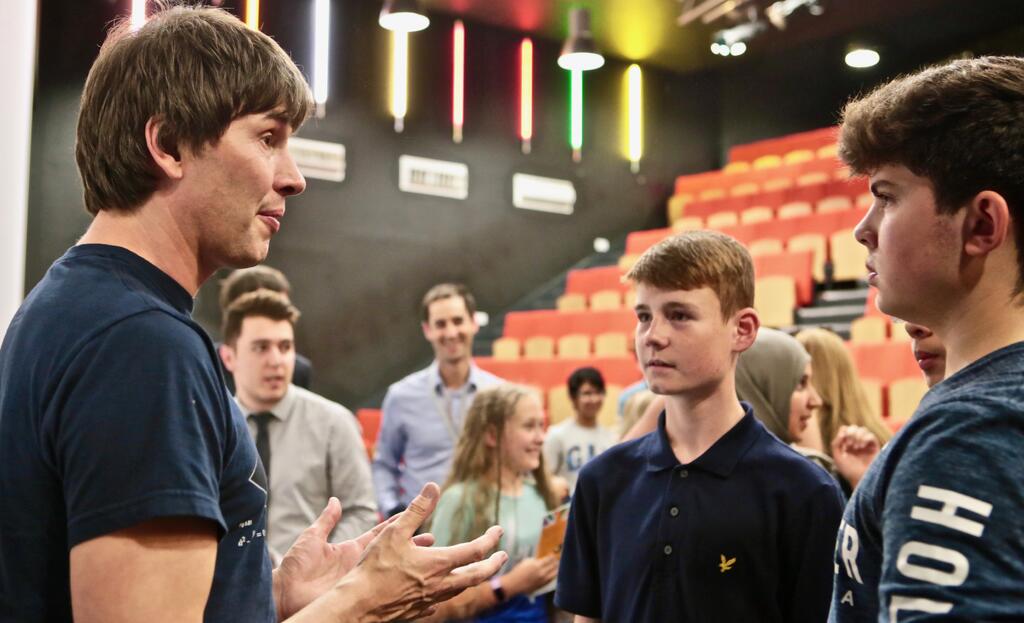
column 673, row 511
column 683, row 473
column 668, row 550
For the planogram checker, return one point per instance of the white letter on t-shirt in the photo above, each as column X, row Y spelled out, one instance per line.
column 953, row 577
column 916, row 604
column 850, row 546
column 951, row 502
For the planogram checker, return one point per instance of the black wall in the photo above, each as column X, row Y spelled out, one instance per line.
column 360, row 253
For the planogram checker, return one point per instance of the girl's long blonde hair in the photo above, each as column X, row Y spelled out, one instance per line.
column 844, row 400
column 478, row 466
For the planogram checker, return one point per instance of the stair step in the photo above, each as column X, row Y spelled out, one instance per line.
column 843, row 297
column 829, row 314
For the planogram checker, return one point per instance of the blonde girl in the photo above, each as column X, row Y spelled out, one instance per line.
column 498, row 477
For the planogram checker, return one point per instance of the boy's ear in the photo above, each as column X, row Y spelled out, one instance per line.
column 987, row 223
column 747, row 322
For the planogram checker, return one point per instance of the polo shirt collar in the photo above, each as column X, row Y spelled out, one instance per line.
column 720, row 459
column 281, row 411
column 438, row 382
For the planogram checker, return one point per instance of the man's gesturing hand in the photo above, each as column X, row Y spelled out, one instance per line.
column 409, row 579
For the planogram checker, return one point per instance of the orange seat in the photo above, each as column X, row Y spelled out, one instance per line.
column 571, row 302
column 795, row 209
column 797, row 265
column 757, row 214
column 546, row 374
column 525, row 324
column 719, row 220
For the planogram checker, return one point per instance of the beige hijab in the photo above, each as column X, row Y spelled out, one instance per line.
column 766, row 375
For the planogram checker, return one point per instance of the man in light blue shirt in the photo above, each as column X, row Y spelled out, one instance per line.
column 423, row 413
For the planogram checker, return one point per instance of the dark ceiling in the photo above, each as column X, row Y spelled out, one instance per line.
column 646, row 30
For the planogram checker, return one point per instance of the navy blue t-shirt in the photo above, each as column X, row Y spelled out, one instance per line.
column 935, row 530
column 113, row 412
column 743, row 533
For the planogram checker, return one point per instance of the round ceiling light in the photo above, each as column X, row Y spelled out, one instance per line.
column 403, row 16
column 861, row 58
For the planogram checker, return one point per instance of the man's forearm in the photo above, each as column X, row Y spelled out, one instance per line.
column 351, row 600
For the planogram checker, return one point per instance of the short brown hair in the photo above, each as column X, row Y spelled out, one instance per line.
column 960, row 125
column 250, row 279
column 445, row 291
column 698, row 259
column 194, row 68
column 263, row 303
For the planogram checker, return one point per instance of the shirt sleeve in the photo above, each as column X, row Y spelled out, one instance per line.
column 812, row 541
column 579, row 581
column 350, row 479
column 388, row 454
column 138, row 428
column 953, row 517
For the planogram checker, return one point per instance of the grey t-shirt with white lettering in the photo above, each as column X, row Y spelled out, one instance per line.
column 935, row 531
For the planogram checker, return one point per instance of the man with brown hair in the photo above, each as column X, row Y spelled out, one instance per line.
column 710, row 517
column 310, row 447
column 128, row 478
column 933, row 531
column 245, row 280
column 423, row 413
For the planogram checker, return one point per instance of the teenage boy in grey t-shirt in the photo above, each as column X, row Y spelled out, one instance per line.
column 570, row 444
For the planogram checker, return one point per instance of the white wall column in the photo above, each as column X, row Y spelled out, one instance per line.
column 18, row 29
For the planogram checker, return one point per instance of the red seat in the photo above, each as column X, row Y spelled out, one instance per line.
column 797, row 265
column 369, row 420
column 587, row 281
column 801, row 140
column 884, row 361
column 524, row 324
column 850, row 187
column 621, row 371
column 639, row 241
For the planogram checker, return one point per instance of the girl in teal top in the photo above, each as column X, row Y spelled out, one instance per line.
column 498, row 477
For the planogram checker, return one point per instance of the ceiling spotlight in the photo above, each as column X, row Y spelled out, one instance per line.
column 579, row 51
column 777, row 12
column 733, row 41
column 403, row 16
column 862, row 57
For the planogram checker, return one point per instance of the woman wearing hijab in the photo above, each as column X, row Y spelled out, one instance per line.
column 774, row 376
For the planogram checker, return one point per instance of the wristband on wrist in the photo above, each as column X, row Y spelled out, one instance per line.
column 499, row 592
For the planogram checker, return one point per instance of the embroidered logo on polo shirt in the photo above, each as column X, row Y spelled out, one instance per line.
column 726, row 564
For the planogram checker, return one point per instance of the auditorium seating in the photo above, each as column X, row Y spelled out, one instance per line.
column 793, row 205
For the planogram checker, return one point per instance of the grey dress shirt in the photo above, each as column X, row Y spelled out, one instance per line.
column 316, row 451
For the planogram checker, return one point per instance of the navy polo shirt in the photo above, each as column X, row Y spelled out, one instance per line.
column 745, row 532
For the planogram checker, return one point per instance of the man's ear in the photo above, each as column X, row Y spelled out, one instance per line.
column 227, row 356
column 167, row 157
column 987, row 223
column 747, row 323
column 426, row 330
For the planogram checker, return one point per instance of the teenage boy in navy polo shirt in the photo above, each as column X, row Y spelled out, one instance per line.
column 710, row 517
